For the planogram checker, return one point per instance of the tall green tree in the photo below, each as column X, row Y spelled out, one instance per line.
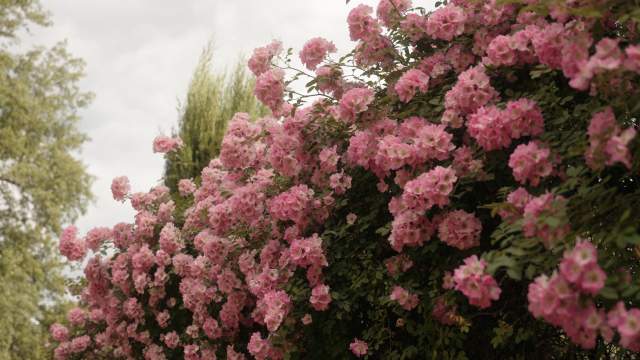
column 211, row 101
column 42, row 183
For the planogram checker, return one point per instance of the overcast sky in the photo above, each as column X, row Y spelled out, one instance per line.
column 140, row 55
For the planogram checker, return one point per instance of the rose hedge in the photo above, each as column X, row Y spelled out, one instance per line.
column 463, row 185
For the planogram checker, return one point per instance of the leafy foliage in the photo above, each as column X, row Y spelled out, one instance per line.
column 42, row 183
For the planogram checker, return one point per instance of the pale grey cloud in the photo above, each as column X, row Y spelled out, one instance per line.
column 140, row 55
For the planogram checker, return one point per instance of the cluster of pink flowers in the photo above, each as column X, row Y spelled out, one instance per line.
column 354, row 102
column 494, row 128
column 608, row 144
column 470, row 279
column 292, row 205
column 391, row 11
column 460, row 229
column 531, row 163
column 429, row 189
column 320, row 297
column 270, row 89
column 404, row 298
column 239, row 149
column 472, row 91
column 414, row 26
column 559, row 299
column 446, row 23
column 165, row 144
column 260, row 61
column 120, row 187
column 262, row 349
column 410, row 82
column 536, row 213
column 314, row 51
column 362, row 25
column 71, row 246
column 509, row 50
column 186, row 187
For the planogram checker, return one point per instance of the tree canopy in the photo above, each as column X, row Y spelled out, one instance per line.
column 43, row 185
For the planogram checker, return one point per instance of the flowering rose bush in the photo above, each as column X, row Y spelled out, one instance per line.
column 471, row 190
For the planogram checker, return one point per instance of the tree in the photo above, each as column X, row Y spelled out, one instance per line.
column 211, row 101
column 42, row 183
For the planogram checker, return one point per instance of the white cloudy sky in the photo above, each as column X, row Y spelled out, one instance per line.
column 140, row 55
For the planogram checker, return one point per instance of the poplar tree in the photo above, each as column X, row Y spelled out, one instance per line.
column 212, row 99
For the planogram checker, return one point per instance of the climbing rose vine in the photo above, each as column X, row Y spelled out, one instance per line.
column 463, row 184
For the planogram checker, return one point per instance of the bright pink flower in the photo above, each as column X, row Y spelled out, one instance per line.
column 460, row 229
column 430, row 189
column 260, row 61
column 630, row 325
column 96, row 237
column 414, row 26
column 608, row 144
column 446, row 22
column 77, row 316
column 292, row 205
column 59, row 333
column 501, row 51
column 478, row 287
column 171, row 339
column 186, row 187
column 472, row 91
column 165, row 144
column 464, row 164
column 409, row 228
column 632, row 62
column 531, row 163
column 354, row 102
column 120, row 188
column 409, row 83
column 490, row 127
column 525, row 118
column 593, row 280
column 535, row 213
column 320, row 297
column 259, row 347
column 71, row 247
column 433, row 142
column 314, row 51
column 305, row 252
column 548, row 44
column 391, row 11
column 80, row 344
column 361, row 24
column 329, row 80
column 376, row 50
column 269, row 89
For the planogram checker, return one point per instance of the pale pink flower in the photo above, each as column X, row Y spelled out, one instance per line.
column 120, row 188
column 314, row 51
column 358, row 347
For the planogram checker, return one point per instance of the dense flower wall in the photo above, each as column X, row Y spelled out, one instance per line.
column 463, row 184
